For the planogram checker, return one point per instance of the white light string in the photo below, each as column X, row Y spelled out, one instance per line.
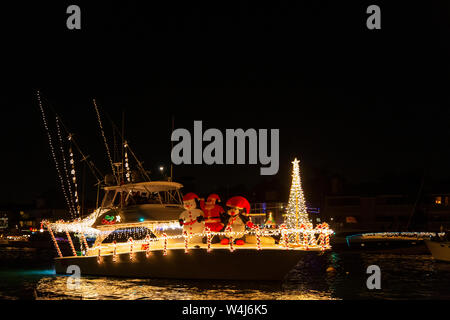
column 44, row 119
column 69, row 186
column 74, row 178
column 104, row 138
column 127, row 165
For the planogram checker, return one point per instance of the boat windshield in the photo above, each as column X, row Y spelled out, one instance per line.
column 142, row 193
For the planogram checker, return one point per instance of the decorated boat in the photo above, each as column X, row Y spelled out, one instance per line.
column 388, row 240
column 138, row 233
column 145, row 228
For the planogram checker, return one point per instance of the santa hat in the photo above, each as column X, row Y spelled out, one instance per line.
column 239, row 202
column 190, row 196
column 214, row 196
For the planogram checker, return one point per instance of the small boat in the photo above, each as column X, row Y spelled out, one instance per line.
column 440, row 250
column 412, row 242
column 14, row 241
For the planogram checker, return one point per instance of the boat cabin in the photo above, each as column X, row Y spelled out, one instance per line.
column 151, row 192
column 139, row 203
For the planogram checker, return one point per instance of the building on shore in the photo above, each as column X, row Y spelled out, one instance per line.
column 388, row 212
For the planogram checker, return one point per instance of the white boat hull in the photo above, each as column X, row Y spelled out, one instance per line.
column 242, row 264
column 439, row 250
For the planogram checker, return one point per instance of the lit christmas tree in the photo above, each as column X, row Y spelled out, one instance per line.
column 270, row 222
column 296, row 209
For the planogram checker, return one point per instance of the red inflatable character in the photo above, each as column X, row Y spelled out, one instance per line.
column 238, row 219
column 212, row 213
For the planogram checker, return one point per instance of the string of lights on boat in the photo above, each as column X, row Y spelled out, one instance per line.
column 305, row 233
column 86, row 229
column 150, row 243
column 52, row 150
column 61, row 147
column 401, row 234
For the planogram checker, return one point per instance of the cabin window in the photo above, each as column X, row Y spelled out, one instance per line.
column 438, row 200
column 109, row 197
column 120, row 197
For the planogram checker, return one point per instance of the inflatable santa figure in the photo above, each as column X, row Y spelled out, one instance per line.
column 212, row 213
column 191, row 218
column 238, row 219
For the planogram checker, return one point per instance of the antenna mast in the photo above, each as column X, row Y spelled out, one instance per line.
column 123, row 142
column 104, row 140
column 171, row 147
column 121, row 133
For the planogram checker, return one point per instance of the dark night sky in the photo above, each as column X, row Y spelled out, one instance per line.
column 347, row 100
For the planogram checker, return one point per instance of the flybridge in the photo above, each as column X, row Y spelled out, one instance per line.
column 235, row 139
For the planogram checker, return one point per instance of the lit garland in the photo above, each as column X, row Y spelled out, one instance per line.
column 78, row 225
column 208, row 239
column 147, row 250
column 85, row 225
column 232, row 235
column 402, row 234
column 171, row 225
column 44, row 119
column 321, row 241
column 284, row 236
column 127, row 166
column 130, row 240
column 83, row 238
column 186, row 242
column 165, row 243
column 62, row 227
column 326, row 235
column 308, row 235
column 304, row 235
column 258, row 238
column 71, row 243
column 312, row 239
column 61, row 146
column 104, row 137
column 190, row 223
column 229, row 233
column 74, row 178
column 55, row 242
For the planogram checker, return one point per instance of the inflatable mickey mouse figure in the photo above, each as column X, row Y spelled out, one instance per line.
column 237, row 219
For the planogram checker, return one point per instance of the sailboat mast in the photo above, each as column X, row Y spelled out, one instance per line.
column 122, row 178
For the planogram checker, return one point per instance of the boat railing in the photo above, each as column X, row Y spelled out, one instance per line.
column 300, row 239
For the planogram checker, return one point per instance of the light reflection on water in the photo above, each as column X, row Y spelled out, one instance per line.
column 136, row 289
column 333, row 275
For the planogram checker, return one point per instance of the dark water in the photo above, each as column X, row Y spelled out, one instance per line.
column 28, row 274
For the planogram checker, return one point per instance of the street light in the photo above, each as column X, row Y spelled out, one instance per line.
column 161, row 170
